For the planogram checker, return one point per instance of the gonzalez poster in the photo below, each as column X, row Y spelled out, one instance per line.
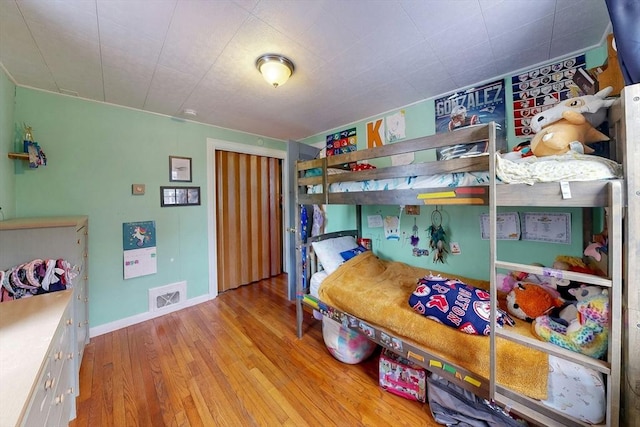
column 482, row 104
column 540, row 89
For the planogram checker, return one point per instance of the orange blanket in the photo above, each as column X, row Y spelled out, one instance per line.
column 378, row 291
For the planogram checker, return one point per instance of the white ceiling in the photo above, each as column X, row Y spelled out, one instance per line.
column 353, row 58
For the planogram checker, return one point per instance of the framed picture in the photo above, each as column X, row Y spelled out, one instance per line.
column 179, row 169
column 179, row 196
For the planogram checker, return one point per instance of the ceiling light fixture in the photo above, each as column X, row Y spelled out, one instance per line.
column 276, row 69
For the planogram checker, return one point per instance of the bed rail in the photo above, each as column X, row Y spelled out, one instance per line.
column 580, row 194
column 424, row 164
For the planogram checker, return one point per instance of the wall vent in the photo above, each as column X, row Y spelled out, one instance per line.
column 167, row 298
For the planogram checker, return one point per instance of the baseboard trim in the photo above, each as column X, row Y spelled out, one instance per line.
column 139, row 318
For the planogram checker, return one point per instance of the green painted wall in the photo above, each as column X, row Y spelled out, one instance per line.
column 95, row 152
column 7, row 176
column 461, row 224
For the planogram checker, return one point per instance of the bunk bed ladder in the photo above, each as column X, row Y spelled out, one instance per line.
column 532, row 409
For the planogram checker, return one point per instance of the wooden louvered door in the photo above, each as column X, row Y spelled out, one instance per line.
column 249, row 218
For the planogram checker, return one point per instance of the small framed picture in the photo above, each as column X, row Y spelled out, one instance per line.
column 179, row 169
column 179, row 196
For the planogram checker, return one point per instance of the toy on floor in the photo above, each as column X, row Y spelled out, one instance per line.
column 587, row 334
column 527, row 300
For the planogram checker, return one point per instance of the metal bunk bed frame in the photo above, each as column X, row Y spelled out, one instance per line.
column 622, row 367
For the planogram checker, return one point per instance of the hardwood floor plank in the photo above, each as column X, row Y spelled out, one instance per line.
column 232, row 361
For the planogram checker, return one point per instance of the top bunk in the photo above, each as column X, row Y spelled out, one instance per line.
column 456, row 181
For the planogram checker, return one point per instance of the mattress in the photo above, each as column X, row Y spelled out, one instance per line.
column 509, row 169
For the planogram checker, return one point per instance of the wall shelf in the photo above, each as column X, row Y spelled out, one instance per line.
column 21, row 156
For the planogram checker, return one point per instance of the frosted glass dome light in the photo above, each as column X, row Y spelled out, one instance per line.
column 276, row 69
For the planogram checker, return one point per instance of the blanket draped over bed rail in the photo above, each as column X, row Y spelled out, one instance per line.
column 377, row 291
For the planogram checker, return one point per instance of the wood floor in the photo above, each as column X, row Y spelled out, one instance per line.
column 232, row 361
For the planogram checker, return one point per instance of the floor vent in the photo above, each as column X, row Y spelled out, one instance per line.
column 167, row 297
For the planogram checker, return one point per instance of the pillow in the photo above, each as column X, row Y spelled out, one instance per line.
column 456, row 304
column 328, row 251
column 347, row 255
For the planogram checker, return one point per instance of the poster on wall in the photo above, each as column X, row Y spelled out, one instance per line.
column 547, row 227
column 541, row 88
column 342, row 142
column 139, row 248
column 507, row 226
column 395, row 126
column 482, row 104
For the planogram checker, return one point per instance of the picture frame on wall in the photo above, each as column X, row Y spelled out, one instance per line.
column 179, row 196
column 179, row 169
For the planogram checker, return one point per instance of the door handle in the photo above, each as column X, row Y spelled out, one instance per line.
column 291, row 229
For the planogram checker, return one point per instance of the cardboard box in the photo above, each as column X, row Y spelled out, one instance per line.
column 402, row 377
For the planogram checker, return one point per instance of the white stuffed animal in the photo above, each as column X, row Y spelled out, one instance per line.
column 592, row 107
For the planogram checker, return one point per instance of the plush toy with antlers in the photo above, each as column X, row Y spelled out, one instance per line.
column 570, row 125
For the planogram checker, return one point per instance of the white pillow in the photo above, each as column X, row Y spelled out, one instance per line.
column 328, row 251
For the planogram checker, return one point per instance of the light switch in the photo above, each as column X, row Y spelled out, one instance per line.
column 137, row 189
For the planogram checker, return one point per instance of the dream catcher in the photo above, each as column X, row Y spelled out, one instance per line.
column 415, row 241
column 437, row 236
column 414, row 235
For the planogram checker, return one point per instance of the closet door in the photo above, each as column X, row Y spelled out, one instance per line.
column 249, row 218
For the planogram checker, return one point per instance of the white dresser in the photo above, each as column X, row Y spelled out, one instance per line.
column 48, row 394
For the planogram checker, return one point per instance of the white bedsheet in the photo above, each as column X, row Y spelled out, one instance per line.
column 457, row 179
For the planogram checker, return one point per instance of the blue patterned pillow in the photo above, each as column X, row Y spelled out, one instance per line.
column 456, row 304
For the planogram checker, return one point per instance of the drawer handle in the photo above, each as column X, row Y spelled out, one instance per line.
column 49, row 383
column 69, row 321
column 70, row 390
column 59, row 399
column 70, row 356
column 57, row 355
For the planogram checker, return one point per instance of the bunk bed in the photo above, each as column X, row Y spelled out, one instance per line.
column 486, row 376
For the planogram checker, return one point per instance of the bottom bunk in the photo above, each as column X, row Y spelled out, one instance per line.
column 370, row 295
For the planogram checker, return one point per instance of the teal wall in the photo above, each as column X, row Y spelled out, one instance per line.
column 7, row 176
column 462, row 224
column 95, row 152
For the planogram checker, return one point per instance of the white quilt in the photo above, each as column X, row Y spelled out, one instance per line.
column 567, row 167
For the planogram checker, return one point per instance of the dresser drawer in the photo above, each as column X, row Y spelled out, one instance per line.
column 63, row 398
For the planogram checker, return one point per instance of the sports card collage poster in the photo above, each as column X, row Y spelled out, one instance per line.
column 482, row 104
column 541, row 88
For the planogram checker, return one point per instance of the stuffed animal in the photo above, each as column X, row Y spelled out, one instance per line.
column 588, row 334
column 569, row 313
column 570, row 125
column 591, row 107
column 527, row 300
column 571, row 133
